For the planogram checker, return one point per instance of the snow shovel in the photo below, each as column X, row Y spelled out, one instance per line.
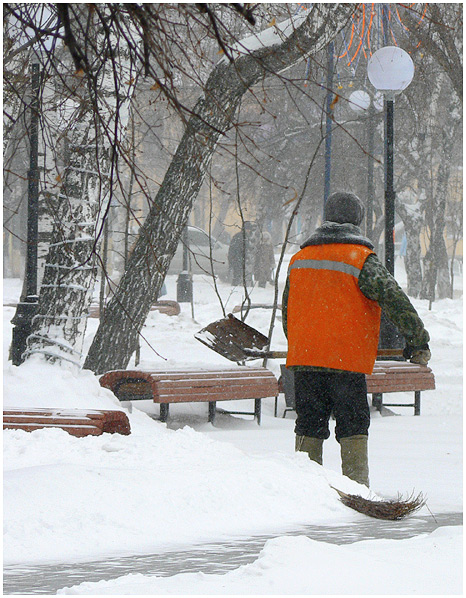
column 239, row 342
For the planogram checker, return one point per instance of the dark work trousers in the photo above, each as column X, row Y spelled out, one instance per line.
column 319, row 394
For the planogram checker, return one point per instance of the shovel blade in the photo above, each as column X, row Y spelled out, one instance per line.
column 233, row 339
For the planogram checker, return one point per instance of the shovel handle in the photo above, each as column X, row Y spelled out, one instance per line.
column 282, row 354
column 390, row 352
column 276, row 354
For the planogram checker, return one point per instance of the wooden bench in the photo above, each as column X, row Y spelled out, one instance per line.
column 77, row 422
column 387, row 377
column 193, row 386
column 399, row 376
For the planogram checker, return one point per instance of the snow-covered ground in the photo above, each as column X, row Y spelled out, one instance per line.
column 169, row 486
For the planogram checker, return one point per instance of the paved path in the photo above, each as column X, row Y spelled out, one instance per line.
column 208, row 558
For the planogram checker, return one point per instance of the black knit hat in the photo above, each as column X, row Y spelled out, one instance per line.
column 344, row 207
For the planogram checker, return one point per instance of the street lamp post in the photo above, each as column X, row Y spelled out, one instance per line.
column 328, row 123
column 184, row 283
column 389, row 186
column 370, row 171
column 390, row 70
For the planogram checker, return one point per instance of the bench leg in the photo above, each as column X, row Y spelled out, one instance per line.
column 257, row 411
column 275, row 411
column 417, row 402
column 377, row 401
column 212, row 410
column 164, row 412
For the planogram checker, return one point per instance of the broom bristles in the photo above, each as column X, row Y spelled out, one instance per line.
column 394, row 509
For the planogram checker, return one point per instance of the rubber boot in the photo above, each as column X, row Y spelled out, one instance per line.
column 354, row 461
column 311, row 446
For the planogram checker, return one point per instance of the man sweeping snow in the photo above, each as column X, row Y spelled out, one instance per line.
column 335, row 290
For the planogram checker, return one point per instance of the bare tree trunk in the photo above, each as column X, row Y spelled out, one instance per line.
column 437, row 276
column 413, row 222
column 117, row 336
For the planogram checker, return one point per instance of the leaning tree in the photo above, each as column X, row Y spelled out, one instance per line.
column 109, row 47
column 213, row 115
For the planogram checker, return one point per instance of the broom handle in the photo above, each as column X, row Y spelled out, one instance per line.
column 380, row 353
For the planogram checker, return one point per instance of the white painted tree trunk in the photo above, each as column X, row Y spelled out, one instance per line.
column 413, row 222
column 436, row 282
column 81, row 202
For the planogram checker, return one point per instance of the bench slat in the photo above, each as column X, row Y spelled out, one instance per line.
column 398, row 374
column 399, row 380
column 80, row 420
column 225, row 385
column 208, row 397
column 400, row 369
column 199, row 374
column 214, row 379
column 391, row 388
column 44, row 419
column 72, row 412
column 79, row 431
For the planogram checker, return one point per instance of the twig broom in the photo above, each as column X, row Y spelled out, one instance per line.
column 393, row 510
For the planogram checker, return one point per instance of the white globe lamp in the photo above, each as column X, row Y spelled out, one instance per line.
column 390, row 70
column 359, row 100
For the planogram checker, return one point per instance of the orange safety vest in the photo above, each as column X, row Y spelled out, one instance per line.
column 330, row 322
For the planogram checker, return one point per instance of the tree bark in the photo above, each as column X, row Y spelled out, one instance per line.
column 69, row 275
column 436, row 283
column 413, row 222
column 117, row 336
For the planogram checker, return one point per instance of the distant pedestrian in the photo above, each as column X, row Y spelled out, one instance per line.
column 241, row 254
column 332, row 303
column 236, row 258
column 265, row 260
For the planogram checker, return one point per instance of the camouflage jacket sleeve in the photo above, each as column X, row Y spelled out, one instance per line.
column 285, row 307
column 376, row 283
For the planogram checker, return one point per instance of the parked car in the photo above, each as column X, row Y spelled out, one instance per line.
column 199, row 255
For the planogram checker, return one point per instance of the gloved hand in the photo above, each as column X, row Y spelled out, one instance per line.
column 420, row 356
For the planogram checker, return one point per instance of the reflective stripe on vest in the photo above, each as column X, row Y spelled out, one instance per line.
column 326, row 265
column 331, row 323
